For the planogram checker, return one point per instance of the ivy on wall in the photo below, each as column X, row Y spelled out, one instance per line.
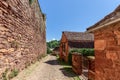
column 30, row 1
column 44, row 16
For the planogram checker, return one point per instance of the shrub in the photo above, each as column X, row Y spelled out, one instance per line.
column 70, row 54
column 30, row 1
column 39, row 57
column 75, row 50
column 87, row 52
column 84, row 51
column 7, row 76
column 4, row 75
column 44, row 16
column 49, row 51
column 13, row 73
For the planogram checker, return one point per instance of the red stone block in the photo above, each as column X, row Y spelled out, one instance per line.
column 113, row 48
column 100, row 44
column 118, row 41
column 111, row 55
column 91, row 75
column 111, row 41
column 77, row 63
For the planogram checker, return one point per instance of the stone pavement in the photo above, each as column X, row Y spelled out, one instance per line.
column 47, row 69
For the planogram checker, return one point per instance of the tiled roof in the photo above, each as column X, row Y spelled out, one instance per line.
column 79, row 36
column 115, row 15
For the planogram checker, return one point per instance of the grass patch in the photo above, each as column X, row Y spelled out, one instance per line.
column 68, row 69
column 39, row 57
column 77, row 78
column 83, row 51
column 13, row 73
column 4, row 75
column 7, row 75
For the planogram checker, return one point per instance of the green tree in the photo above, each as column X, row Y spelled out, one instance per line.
column 52, row 44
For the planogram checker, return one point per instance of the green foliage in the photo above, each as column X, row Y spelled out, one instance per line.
column 83, row 51
column 13, row 73
column 52, row 44
column 87, row 52
column 70, row 58
column 75, row 50
column 30, row 1
column 44, row 16
column 77, row 78
column 4, row 75
column 7, row 76
column 39, row 57
column 49, row 51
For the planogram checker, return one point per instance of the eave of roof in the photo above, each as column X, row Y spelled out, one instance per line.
column 107, row 20
column 99, row 27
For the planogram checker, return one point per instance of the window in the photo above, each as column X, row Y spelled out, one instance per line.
column 63, row 47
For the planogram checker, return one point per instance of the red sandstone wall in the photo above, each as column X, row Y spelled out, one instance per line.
column 107, row 53
column 64, row 55
column 91, row 70
column 77, row 63
column 22, row 33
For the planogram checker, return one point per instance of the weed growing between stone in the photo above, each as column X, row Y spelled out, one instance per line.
column 41, row 56
column 4, row 75
column 30, row 1
column 7, row 75
column 13, row 73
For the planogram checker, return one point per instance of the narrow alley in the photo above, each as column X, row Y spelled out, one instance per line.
column 59, row 40
column 47, row 69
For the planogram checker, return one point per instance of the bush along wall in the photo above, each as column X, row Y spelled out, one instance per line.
column 84, row 52
column 87, row 52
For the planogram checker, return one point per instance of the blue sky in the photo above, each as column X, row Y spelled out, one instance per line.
column 74, row 15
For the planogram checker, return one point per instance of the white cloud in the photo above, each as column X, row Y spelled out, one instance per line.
column 53, row 39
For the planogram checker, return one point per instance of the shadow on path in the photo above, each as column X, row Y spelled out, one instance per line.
column 52, row 62
column 68, row 72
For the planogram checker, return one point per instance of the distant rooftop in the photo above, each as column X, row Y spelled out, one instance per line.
column 79, row 36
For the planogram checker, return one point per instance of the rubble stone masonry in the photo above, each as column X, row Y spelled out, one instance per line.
column 22, row 33
column 107, row 52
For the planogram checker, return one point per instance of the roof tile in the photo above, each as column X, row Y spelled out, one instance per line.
column 79, row 36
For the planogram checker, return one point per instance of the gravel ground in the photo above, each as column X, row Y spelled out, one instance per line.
column 47, row 69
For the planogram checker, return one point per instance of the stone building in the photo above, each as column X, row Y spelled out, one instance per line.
column 22, row 33
column 107, row 46
column 72, row 40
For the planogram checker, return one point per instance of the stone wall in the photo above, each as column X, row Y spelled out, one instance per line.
column 77, row 63
column 22, row 33
column 64, row 48
column 91, row 69
column 107, row 52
